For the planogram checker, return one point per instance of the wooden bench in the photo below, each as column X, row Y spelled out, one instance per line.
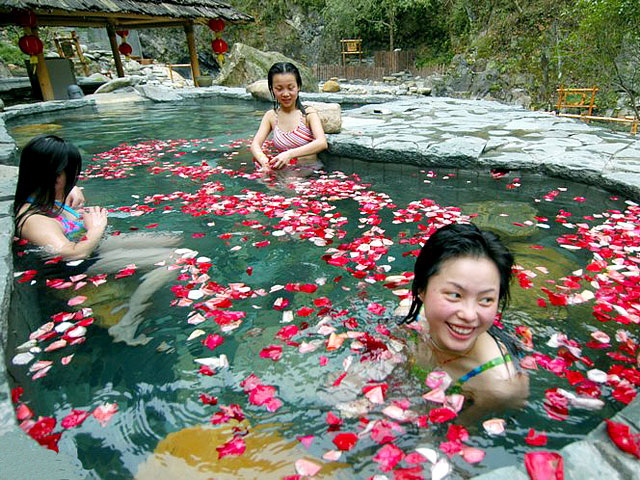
column 584, row 98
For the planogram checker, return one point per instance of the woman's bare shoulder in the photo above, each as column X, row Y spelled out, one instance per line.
column 36, row 223
column 270, row 115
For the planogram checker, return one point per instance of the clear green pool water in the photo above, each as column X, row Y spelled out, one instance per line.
column 157, row 386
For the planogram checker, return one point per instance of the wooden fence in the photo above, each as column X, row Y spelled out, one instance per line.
column 384, row 63
column 369, row 72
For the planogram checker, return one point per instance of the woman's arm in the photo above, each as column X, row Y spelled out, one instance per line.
column 317, row 145
column 45, row 232
column 259, row 138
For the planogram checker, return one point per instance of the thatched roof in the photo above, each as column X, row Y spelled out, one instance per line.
column 122, row 13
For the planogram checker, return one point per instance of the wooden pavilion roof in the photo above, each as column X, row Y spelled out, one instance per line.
column 124, row 14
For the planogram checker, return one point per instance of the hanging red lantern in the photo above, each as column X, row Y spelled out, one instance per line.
column 32, row 46
column 216, row 24
column 25, row 18
column 125, row 49
column 122, row 33
column 219, row 46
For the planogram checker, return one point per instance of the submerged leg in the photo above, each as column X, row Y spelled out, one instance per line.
column 125, row 329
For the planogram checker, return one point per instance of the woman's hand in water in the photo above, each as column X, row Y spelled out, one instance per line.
column 95, row 220
column 75, row 199
column 281, row 160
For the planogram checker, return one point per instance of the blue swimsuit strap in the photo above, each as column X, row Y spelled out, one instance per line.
column 67, row 208
column 58, row 203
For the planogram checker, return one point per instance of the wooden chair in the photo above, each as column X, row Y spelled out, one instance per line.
column 351, row 47
column 68, row 47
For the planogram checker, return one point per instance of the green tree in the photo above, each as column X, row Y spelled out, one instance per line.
column 350, row 19
column 609, row 39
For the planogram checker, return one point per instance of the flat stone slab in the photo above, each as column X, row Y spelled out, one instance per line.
column 23, row 459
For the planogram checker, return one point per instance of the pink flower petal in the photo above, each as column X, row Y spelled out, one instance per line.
column 306, row 440
column 306, row 468
column 472, row 455
column 388, row 457
column 103, row 413
column 494, row 426
column 76, row 300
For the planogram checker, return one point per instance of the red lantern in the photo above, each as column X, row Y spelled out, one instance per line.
column 125, row 49
column 219, row 46
column 122, row 33
column 31, row 45
column 216, row 24
column 26, row 18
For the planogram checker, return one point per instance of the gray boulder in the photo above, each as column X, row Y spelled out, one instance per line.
column 260, row 90
column 98, row 77
column 118, row 83
column 246, row 65
column 158, row 94
column 330, row 115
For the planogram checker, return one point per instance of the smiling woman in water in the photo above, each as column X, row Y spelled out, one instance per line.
column 462, row 277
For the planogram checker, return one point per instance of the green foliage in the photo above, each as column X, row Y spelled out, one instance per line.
column 9, row 51
column 11, row 54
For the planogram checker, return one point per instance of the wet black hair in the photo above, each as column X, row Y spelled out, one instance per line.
column 42, row 161
column 459, row 240
column 285, row 67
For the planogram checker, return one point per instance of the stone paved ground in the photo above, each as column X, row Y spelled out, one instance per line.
column 417, row 130
column 448, row 132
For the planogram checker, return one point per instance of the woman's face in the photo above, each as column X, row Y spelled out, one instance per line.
column 285, row 89
column 461, row 302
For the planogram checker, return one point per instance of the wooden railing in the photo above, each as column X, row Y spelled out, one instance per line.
column 584, row 98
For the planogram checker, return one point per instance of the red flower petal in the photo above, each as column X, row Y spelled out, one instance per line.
column 536, row 439
column 345, row 441
column 213, row 341
column 274, row 352
column 235, row 447
column 441, row 415
column 621, row 435
column 75, row 418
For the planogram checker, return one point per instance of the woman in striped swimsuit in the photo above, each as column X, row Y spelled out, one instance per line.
column 297, row 133
column 461, row 277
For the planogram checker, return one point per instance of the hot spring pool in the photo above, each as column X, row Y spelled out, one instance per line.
column 290, row 284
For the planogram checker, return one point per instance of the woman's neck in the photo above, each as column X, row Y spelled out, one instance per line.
column 443, row 355
column 288, row 110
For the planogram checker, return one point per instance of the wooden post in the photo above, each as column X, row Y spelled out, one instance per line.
column 111, row 32
column 193, row 53
column 76, row 40
column 560, row 93
column 594, row 90
column 42, row 72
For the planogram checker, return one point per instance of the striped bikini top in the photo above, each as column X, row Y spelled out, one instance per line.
column 298, row 137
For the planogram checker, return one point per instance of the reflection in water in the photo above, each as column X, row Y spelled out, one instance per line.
column 194, row 453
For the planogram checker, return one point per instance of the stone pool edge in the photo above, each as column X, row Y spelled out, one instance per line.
column 22, row 458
